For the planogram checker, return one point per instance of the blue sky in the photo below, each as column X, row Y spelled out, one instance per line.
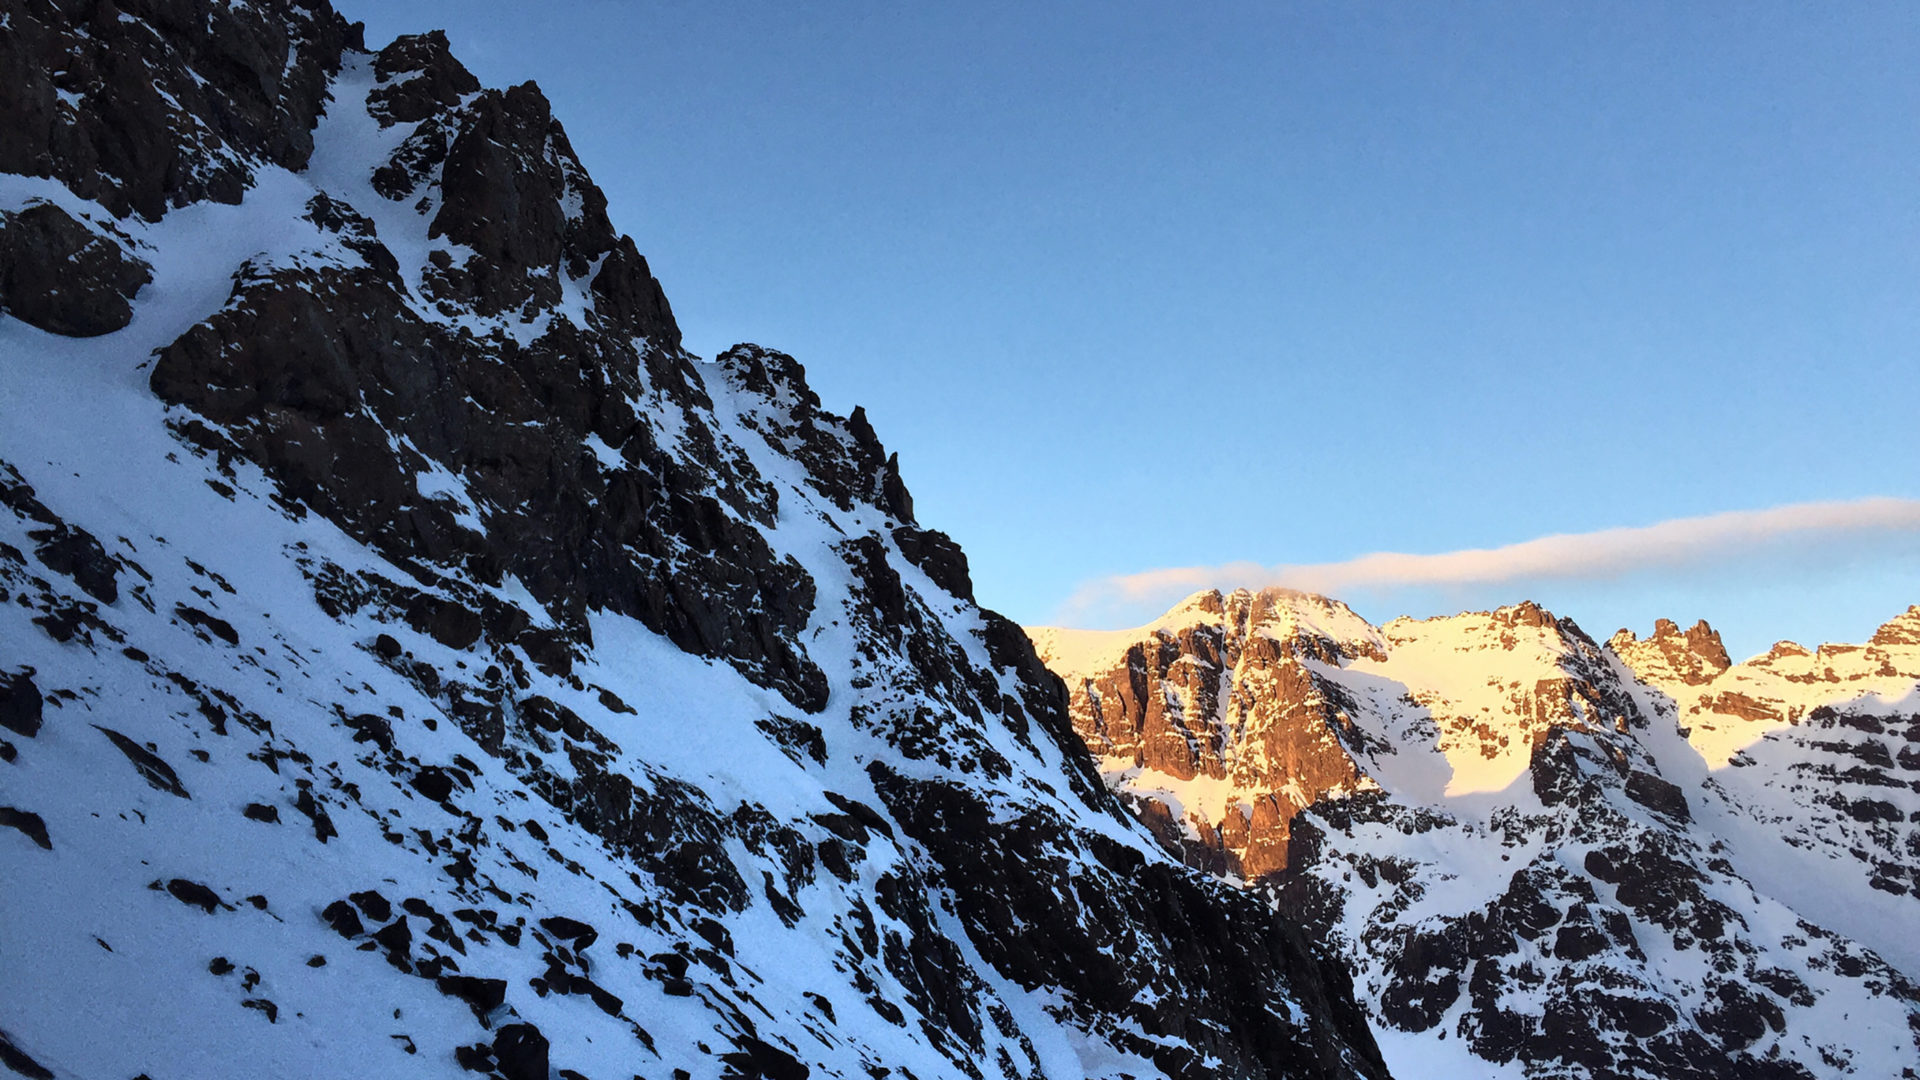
column 1137, row 286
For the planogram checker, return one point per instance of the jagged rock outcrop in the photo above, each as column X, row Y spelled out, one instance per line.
column 147, row 105
column 1220, row 722
column 1216, row 707
column 1819, row 752
column 1902, row 629
column 1532, row 869
column 1728, row 707
column 66, row 275
column 1693, row 658
column 411, row 657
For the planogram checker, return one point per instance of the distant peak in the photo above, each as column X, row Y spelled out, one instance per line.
column 1526, row 613
column 1258, row 605
column 1695, row 655
column 1902, row 629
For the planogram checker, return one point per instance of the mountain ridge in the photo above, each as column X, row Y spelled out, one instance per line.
column 412, row 659
column 1581, row 860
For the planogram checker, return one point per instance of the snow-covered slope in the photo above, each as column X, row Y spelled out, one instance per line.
column 413, row 662
column 1507, row 829
column 1814, row 771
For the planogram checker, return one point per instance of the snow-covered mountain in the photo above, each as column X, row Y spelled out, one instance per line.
column 414, row 662
column 1545, row 857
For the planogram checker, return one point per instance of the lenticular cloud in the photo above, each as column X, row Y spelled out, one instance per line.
column 1605, row 553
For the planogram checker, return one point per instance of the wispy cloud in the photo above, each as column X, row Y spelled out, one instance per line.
column 1678, row 543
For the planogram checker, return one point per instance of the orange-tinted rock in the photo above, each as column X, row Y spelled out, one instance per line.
column 1228, row 698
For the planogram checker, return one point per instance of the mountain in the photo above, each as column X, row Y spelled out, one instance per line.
column 414, row 662
column 1544, row 856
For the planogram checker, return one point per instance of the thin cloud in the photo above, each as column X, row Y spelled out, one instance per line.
column 1607, row 553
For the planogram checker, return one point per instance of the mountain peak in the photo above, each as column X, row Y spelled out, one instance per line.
column 1902, row 629
column 1694, row 657
column 533, row 697
column 1491, row 811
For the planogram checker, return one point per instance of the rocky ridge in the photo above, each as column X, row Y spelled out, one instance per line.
column 413, row 660
column 1546, row 857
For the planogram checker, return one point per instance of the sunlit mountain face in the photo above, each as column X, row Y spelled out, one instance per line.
column 1542, row 854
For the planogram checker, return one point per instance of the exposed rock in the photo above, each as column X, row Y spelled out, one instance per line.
column 937, row 555
column 758, row 1060
column 436, row 784
column 64, row 275
column 1532, row 934
column 16, row 1059
column 311, row 368
column 418, row 77
column 572, row 930
column 27, row 822
column 376, row 906
column 1902, row 629
column 197, row 895
column 344, row 920
column 152, row 768
column 1657, row 794
column 212, row 624
column 520, row 1051
column 146, row 106
column 1007, row 878
column 1694, row 658
column 483, row 995
column 76, row 554
column 1224, row 692
column 21, row 706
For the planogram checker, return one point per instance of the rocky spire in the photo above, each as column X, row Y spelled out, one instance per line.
column 1694, row 657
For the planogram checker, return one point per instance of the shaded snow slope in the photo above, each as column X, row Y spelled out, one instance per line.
column 412, row 662
column 1564, row 859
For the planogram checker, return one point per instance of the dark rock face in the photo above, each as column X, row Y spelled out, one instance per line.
column 1180, row 935
column 456, row 403
column 763, row 1061
column 418, row 77
column 146, row 105
column 16, row 1059
column 522, row 1052
column 152, row 768
column 501, row 197
column 194, row 894
column 307, row 371
column 308, row 368
column 21, row 705
column 843, row 458
column 938, row 557
column 28, row 823
column 1654, row 793
column 1554, row 970
column 76, row 554
column 66, row 276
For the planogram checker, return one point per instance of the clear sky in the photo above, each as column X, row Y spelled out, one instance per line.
column 1138, row 286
